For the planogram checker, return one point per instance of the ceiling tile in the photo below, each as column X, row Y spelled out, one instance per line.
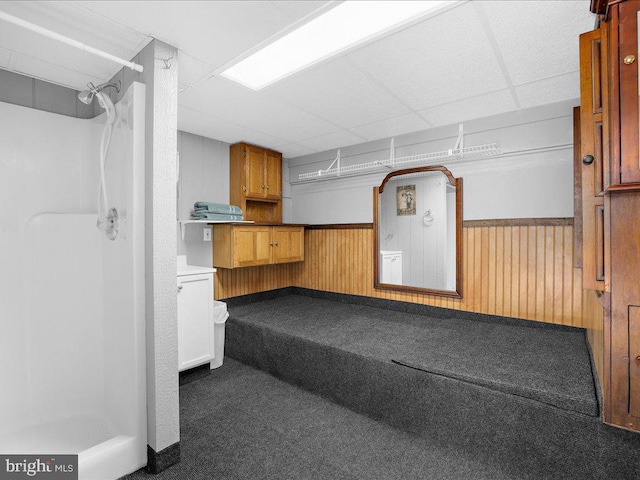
column 332, row 141
column 427, row 67
column 338, row 92
column 5, row 56
column 470, row 108
column 73, row 21
column 390, row 127
column 436, row 61
column 203, row 124
column 550, row 90
column 190, row 69
column 544, row 45
column 213, row 32
column 255, row 110
column 292, row 150
column 50, row 72
column 297, row 10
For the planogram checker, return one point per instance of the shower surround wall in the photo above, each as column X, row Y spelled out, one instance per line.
column 71, row 301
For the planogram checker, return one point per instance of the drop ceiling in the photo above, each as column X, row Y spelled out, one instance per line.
column 477, row 59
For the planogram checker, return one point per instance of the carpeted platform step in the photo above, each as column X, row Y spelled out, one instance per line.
column 517, row 395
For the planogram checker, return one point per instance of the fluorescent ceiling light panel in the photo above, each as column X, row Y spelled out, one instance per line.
column 348, row 24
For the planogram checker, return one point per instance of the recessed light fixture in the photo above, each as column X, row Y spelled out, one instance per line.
column 348, row 24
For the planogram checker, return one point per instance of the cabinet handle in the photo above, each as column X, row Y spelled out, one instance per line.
column 262, row 186
column 276, row 244
column 244, row 188
column 588, row 159
column 267, row 187
column 179, row 287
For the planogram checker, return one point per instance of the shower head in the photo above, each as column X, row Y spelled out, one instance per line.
column 86, row 96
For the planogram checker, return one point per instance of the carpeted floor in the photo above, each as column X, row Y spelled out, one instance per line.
column 545, row 364
column 240, row 423
column 394, row 391
column 518, row 395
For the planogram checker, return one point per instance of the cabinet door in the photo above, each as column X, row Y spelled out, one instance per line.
column 251, row 246
column 287, row 244
column 195, row 320
column 594, row 135
column 626, row 18
column 391, row 269
column 622, row 333
column 255, row 164
column 273, row 180
column 396, row 270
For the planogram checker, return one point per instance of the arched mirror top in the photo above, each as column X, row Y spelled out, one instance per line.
column 418, row 232
column 417, row 170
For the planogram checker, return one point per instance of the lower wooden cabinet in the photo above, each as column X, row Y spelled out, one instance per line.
column 236, row 246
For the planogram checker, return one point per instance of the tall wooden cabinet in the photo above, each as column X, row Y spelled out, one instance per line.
column 593, row 134
column 611, row 198
column 255, row 182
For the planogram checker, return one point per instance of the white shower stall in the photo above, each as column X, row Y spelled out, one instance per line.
column 72, row 339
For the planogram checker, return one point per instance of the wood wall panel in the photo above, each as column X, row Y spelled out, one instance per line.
column 522, row 271
column 593, row 321
column 243, row 281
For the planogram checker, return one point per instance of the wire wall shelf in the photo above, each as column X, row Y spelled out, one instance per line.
column 458, row 153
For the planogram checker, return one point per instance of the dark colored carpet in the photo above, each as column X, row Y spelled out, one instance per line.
column 551, row 366
column 528, row 417
column 240, row 423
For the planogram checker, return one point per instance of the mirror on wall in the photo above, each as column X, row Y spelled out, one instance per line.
column 417, row 217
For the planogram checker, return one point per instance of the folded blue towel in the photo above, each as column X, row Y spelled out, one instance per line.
column 217, row 208
column 216, row 216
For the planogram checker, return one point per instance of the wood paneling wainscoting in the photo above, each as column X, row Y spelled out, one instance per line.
column 593, row 321
column 521, row 268
column 243, row 281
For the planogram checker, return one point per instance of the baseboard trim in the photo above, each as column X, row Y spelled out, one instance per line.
column 165, row 458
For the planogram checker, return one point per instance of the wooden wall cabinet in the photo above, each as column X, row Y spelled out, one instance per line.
column 609, row 145
column 256, row 182
column 238, row 246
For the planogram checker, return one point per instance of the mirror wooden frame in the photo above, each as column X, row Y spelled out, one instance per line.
column 456, row 182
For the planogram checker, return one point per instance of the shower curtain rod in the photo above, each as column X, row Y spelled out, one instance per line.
column 69, row 41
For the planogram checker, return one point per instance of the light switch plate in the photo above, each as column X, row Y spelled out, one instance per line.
column 207, row 234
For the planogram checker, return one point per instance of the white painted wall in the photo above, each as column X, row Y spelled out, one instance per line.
column 204, row 176
column 533, row 177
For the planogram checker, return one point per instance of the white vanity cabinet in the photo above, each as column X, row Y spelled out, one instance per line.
column 195, row 316
column 391, row 267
